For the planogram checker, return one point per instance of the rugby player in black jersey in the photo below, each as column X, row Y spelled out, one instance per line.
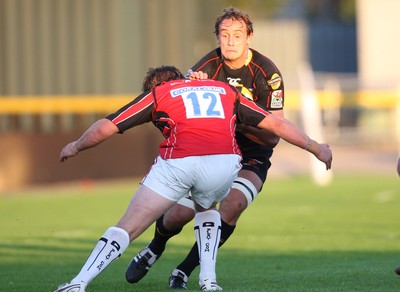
column 259, row 79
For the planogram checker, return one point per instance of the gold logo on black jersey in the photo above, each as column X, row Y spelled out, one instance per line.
column 245, row 91
column 275, row 81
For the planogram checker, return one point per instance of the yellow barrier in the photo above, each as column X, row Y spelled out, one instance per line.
column 62, row 104
column 378, row 99
column 108, row 103
column 362, row 99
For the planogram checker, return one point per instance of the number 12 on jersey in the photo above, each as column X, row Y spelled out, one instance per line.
column 203, row 104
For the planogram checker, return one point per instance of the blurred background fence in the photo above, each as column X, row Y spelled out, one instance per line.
column 66, row 63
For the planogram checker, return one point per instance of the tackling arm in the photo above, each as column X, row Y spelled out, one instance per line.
column 97, row 133
column 294, row 135
column 260, row 136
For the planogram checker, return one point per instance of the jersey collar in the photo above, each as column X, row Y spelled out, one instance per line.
column 249, row 57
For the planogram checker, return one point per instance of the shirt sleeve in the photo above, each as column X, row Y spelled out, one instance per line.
column 269, row 89
column 248, row 112
column 137, row 112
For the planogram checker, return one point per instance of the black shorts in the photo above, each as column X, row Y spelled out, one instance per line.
column 256, row 157
column 258, row 165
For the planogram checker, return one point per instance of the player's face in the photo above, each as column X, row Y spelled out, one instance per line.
column 234, row 42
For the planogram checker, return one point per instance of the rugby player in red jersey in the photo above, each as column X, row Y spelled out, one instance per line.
column 199, row 155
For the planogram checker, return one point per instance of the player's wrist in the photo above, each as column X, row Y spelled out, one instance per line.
column 313, row 147
column 74, row 148
column 308, row 145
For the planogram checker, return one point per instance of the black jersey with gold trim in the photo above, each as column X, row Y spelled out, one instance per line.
column 259, row 79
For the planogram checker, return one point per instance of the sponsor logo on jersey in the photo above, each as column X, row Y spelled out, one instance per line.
column 277, row 99
column 247, row 92
column 275, row 81
column 234, row 81
column 180, row 91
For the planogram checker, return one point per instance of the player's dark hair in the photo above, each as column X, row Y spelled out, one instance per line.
column 235, row 14
column 159, row 75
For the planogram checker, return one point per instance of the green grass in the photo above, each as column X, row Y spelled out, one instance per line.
column 296, row 237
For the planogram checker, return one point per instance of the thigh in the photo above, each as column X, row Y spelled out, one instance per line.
column 144, row 209
column 177, row 216
column 232, row 206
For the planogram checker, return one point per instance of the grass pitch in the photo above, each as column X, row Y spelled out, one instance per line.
column 296, row 236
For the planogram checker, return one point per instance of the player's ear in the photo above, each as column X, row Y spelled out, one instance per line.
column 249, row 39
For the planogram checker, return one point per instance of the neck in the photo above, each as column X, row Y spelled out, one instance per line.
column 239, row 62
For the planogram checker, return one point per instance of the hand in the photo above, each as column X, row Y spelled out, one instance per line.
column 198, row 75
column 69, row 150
column 325, row 155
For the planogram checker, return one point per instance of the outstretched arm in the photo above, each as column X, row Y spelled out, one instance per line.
column 258, row 135
column 97, row 133
column 294, row 135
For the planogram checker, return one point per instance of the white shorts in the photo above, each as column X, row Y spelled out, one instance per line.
column 208, row 178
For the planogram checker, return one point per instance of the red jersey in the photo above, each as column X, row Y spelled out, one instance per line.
column 196, row 117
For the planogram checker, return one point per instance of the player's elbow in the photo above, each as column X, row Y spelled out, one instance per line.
column 274, row 141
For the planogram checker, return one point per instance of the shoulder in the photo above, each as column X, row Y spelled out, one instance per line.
column 210, row 60
column 266, row 70
column 213, row 54
column 262, row 62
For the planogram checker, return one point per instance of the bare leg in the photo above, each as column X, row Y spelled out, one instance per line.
column 143, row 210
column 235, row 202
column 167, row 226
column 177, row 217
column 145, row 207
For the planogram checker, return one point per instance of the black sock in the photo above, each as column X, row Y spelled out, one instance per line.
column 192, row 259
column 161, row 236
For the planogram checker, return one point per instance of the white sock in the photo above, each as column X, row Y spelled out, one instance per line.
column 110, row 247
column 207, row 229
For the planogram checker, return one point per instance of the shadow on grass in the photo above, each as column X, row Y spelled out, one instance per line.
column 43, row 268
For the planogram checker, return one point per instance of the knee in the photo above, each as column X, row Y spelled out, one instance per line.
column 231, row 209
column 234, row 207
